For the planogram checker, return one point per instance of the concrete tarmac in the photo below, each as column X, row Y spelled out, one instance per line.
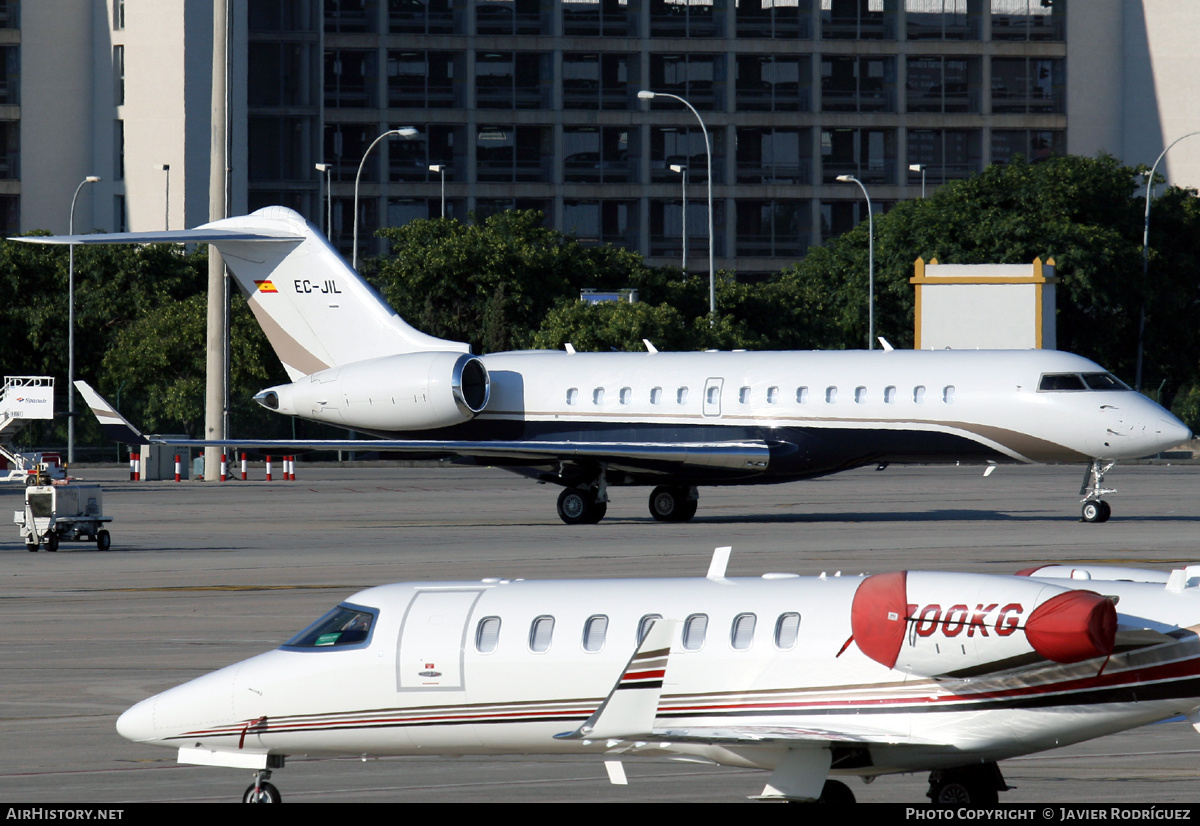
column 202, row 575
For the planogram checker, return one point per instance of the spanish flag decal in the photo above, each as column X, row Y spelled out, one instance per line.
column 265, row 287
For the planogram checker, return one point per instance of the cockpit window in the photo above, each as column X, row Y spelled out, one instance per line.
column 1081, row 381
column 346, row 626
column 1104, row 381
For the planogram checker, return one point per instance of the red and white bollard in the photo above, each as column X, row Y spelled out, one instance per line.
column 177, row 468
column 224, row 468
column 137, row 467
column 243, row 467
column 293, row 468
column 268, row 468
column 132, row 466
column 289, row 468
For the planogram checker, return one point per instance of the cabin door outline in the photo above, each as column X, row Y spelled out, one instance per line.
column 433, row 639
column 712, row 397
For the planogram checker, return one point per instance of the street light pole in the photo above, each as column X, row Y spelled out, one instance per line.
column 919, row 167
column 1137, row 377
column 90, row 179
column 646, row 94
column 441, row 168
column 167, row 199
column 405, row 132
column 326, row 168
column 870, row 260
column 681, row 168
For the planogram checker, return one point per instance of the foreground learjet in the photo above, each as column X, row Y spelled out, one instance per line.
column 676, row 421
column 810, row 678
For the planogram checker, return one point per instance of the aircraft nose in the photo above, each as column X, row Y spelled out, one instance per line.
column 137, row 723
column 1173, row 432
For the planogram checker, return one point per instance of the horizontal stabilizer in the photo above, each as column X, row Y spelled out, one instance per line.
column 630, row 708
column 115, row 426
column 175, row 236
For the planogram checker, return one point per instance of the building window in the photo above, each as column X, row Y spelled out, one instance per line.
column 509, row 17
column 584, row 18
column 838, row 217
column 691, row 76
column 595, row 81
column 942, row 19
column 1032, row 144
column 425, row 80
column 118, row 14
column 858, row 84
column 118, row 150
column 350, row 16
column 1028, row 19
column 508, row 154
column 774, row 83
column 511, row 80
column 768, row 155
column 942, row 84
column 596, row 155
column 773, row 228
column 1033, row 85
column 858, row 19
column 670, row 18
column 350, row 78
column 429, row 17
column 946, row 154
column 770, row 18
column 10, row 150
column 118, row 57
column 867, row 154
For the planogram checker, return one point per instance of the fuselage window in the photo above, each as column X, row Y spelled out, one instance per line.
column 656, row 395
column 626, row 395
column 594, row 632
column 694, row 629
column 741, row 635
column 681, row 395
column 598, row 396
column 744, row 396
column 801, row 395
column 830, row 395
column 487, row 635
column 919, row 394
column 860, row 395
column 713, row 395
column 948, row 394
column 644, row 626
column 787, row 630
column 889, row 394
column 540, row 633
column 343, row 626
column 772, row 395
column 573, row 395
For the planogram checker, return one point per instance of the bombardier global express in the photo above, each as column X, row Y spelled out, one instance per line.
column 590, row 422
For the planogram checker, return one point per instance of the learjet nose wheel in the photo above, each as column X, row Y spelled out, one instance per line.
column 262, row 793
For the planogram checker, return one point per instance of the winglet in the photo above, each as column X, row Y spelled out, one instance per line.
column 629, row 709
column 114, row 425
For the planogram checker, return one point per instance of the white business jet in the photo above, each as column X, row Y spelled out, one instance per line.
column 811, row 678
column 675, row 421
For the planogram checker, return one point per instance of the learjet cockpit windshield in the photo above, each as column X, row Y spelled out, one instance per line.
column 344, row 627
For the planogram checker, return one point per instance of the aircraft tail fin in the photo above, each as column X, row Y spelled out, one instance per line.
column 115, row 426
column 630, row 707
column 316, row 311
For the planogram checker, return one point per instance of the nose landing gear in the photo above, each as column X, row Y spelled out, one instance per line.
column 1095, row 509
column 260, row 791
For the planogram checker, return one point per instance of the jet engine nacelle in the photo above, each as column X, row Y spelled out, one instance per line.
column 960, row 625
column 413, row 391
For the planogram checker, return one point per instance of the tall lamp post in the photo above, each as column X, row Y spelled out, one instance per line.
column 90, row 179
column 405, row 132
column 646, row 94
column 681, row 168
column 919, row 167
column 167, row 198
column 326, row 168
column 441, row 168
column 848, row 179
column 1137, row 378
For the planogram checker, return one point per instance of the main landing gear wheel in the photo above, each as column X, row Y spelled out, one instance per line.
column 672, row 504
column 974, row 786
column 579, row 507
column 262, row 793
column 835, row 791
column 1096, row 510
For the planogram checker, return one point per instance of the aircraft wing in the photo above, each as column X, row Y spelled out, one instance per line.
column 741, row 455
column 175, row 236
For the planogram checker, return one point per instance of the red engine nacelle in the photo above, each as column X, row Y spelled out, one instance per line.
column 939, row 624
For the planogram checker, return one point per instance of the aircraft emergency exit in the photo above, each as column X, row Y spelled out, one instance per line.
column 675, row 421
column 811, row 678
